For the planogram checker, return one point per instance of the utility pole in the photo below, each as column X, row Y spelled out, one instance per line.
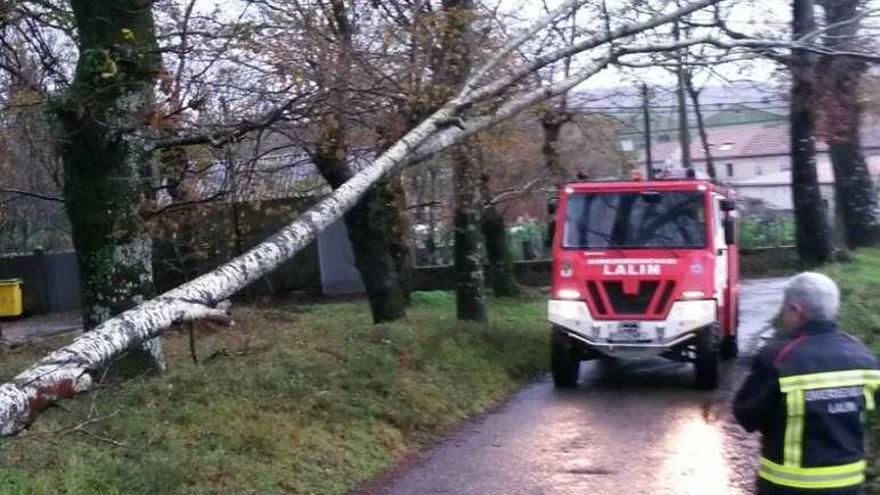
column 646, row 115
column 684, row 136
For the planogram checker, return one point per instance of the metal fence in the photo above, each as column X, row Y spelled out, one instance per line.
column 766, row 233
column 51, row 280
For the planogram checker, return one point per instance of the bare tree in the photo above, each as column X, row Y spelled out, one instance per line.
column 814, row 241
column 455, row 64
column 106, row 163
column 374, row 222
column 838, row 79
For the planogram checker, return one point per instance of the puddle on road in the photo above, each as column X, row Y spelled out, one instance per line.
column 696, row 464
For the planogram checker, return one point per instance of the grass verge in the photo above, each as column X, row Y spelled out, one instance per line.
column 859, row 282
column 295, row 399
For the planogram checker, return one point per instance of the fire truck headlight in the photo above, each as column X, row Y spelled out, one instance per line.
column 568, row 294
column 693, row 294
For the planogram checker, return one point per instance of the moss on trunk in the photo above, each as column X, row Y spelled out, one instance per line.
column 501, row 272
column 469, row 276
column 102, row 119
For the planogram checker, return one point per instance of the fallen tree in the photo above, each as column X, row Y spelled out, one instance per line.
column 76, row 367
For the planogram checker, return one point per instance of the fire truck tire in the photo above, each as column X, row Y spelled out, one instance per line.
column 564, row 362
column 729, row 347
column 707, row 363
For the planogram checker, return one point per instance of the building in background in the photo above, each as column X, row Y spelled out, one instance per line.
column 755, row 160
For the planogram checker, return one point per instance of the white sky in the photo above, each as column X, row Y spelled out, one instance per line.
column 770, row 17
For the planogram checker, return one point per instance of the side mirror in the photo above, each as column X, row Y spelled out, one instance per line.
column 728, row 205
column 730, row 231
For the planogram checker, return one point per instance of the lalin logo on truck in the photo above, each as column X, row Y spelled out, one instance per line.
column 631, row 270
column 632, row 267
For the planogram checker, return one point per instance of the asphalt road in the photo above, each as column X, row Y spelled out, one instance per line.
column 630, row 428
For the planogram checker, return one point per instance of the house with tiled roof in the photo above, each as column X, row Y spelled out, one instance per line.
column 755, row 159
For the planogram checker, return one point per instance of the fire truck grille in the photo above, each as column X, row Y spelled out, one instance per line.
column 630, row 304
column 664, row 298
column 593, row 287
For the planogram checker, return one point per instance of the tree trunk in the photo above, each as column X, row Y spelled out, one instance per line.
column 501, row 268
column 432, row 218
column 398, row 232
column 646, row 116
column 470, row 281
column 370, row 229
column 814, row 242
column 855, row 194
column 684, row 132
column 701, row 127
column 106, row 165
column 374, row 223
column 551, row 124
column 367, row 226
column 453, row 68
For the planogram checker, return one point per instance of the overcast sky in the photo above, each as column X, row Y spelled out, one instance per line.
column 768, row 17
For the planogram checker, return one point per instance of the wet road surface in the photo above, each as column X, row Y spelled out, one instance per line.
column 629, row 428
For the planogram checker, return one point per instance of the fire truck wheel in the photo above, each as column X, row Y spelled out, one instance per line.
column 706, row 363
column 565, row 364
column 729, row 347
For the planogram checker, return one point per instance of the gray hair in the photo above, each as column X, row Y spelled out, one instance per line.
column 816, row 293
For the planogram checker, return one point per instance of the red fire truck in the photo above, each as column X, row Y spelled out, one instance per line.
column 641, row 269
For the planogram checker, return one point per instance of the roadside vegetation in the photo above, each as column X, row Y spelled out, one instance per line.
column 859, row 282
column 294, row 399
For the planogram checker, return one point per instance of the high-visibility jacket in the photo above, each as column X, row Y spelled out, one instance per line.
column 808, row 394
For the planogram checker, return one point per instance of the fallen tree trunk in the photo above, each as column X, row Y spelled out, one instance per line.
column 73, row 369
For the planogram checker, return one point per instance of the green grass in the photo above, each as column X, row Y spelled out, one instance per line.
column 299, row 399
column 859, row 282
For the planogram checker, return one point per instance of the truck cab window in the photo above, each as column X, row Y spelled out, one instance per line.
column 635, row 220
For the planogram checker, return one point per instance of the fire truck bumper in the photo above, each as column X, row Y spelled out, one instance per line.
column 634, row 338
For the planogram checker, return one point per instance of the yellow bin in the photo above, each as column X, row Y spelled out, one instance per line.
column 10, row 297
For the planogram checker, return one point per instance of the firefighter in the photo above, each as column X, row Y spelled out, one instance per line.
column 808, row 393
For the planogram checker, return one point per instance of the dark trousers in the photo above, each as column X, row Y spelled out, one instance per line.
column 767, row 488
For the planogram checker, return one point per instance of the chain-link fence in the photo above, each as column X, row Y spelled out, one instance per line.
column 763, row 226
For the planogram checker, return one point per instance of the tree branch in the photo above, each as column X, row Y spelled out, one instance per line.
column 28, row 194
column 220, row 138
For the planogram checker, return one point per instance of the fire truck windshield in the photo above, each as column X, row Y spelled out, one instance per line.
column 675, row 219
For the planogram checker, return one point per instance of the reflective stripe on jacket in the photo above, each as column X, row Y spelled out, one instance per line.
column 807, row 394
